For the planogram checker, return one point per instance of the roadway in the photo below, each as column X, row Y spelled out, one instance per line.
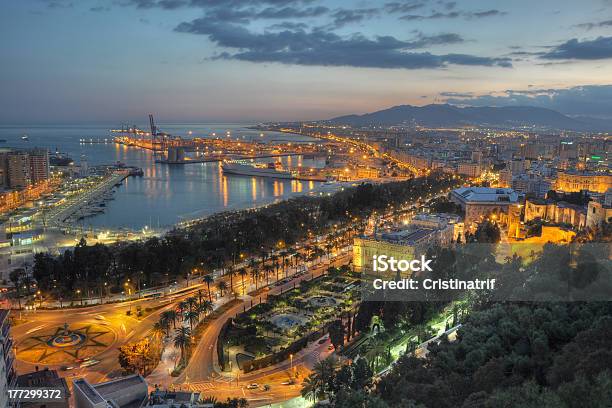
column 203, row 373
column 111, row 316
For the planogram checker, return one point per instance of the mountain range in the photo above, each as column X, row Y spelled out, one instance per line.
column 440, row 115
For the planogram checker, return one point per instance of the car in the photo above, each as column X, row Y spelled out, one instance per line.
column 252, row 386
column 89, row 363
column 323, row 340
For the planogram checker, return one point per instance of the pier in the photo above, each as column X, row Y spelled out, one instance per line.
column 83, row 202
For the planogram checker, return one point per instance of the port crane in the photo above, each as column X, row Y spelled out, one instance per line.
column 153, row 127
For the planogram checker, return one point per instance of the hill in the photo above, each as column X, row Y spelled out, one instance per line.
column 439, row 115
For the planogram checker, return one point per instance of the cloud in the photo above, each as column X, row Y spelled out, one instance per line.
column 244, row 16
column 291, row 12
column 599, row 48
column 163, row 4
column 345, row 16
column 98, row 9
column 580, row 100
column 208, row 4
column 590, row 26
column 406, row 7
column 457, row 94
column 324, row 48
column 453, row 14
column 58, row 4
column 288, row 25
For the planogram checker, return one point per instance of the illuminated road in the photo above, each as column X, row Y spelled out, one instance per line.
column 111, row 316
column 202, row 372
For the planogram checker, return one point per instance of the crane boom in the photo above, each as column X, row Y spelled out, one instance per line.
column 153, row 127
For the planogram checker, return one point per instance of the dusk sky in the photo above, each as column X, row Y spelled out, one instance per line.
column 262, row 60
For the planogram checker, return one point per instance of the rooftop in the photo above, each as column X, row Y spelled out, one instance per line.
column 486, row 194
column 119, row 384
column 88, row 390
column 407, row 236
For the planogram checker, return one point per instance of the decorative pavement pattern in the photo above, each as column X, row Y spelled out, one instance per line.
column 65, row 344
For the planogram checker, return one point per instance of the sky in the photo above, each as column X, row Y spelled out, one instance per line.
column 76, row 61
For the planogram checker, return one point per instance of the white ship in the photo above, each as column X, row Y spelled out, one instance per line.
column 273, row 170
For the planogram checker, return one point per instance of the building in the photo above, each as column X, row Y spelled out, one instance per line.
column 125, row 392
column 597, row 213
column 39, row 165
column 531, row 183
column 8, row 375
column 4, row 152
column 366, row 172
column 559, row 212
column 168, row 399
column 46, row 378
column 472, row 170
column 424, row 231
column 18, row 169
column 480, row 203
column 450, row 224
column 574, row 181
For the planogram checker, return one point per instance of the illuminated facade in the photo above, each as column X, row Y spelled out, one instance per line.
column 598, row 213
column 406, row 243
column 472, row 170
column 573, row 181
column 557, row 212
column 483, row 202
column 8, row 375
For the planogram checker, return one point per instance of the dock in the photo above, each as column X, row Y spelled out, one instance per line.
column 58, row 216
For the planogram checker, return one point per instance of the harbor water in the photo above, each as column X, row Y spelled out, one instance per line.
column 167, row 194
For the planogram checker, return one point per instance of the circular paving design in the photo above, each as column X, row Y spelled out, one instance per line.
column 65, row 344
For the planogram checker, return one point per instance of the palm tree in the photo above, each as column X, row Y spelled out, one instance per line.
column 191, row 316
column 231, row 272
column 298, row 257
column 267, row 270
column 182, row 340
column 274, row 259
column 316, row 384
column 255, row 275
column 164, row 323
column 206, row 307
column 222, row 286
column 158, row 330
column 286, row 263
column 325, row 369
column 310, row 388
column 192, row 303
column 182, row 307
column 208, row 279
column 242, row 272
column 170, row 316
column 284, row 254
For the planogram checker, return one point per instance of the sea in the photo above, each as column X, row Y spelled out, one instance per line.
column 167, row 194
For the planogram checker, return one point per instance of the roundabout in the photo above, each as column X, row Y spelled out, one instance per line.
column 65, row 344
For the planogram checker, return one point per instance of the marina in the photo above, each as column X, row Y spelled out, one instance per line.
column 165, row 194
